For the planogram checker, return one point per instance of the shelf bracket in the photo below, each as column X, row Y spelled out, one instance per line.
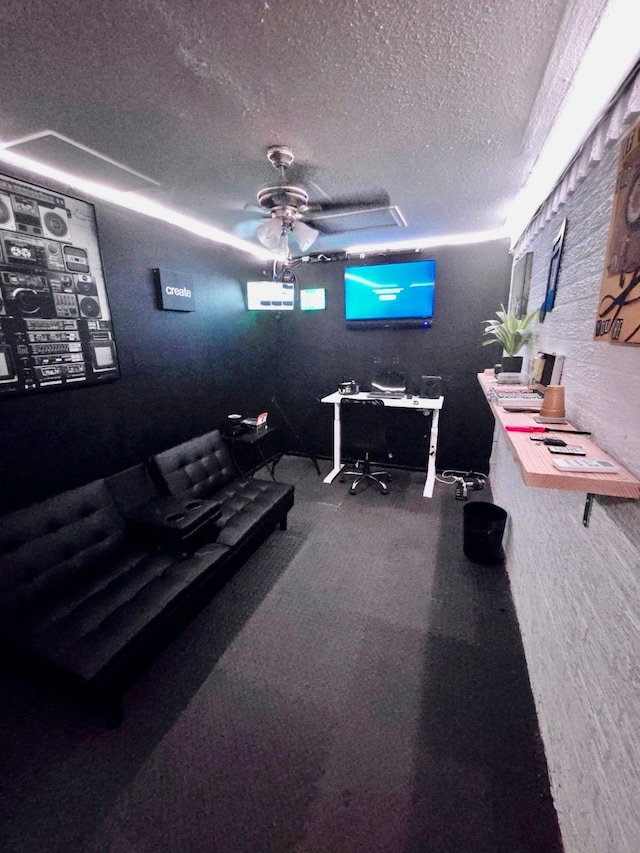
column 587, row 509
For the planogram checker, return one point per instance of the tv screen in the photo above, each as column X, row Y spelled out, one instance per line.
column 270, row 296
column 313, row 299
column 401, row 291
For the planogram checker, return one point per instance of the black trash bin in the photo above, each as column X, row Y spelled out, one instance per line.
column 484, row 525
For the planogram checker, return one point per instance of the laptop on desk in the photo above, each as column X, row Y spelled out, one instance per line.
column 388, row 383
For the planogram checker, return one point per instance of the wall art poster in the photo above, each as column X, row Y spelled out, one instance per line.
column 552, row 274
column 520, row 281
column 55, row 324
column 618, row 318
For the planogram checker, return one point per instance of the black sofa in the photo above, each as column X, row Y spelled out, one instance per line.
column 93, row 582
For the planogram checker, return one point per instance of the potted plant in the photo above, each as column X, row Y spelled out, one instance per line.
column 512, row 333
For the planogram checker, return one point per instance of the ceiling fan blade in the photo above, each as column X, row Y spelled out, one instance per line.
column 252, row 207
column 247, row 228
column 378, row 198
column 358, row 218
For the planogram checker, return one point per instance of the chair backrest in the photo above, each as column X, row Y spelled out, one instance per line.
column 363, row 425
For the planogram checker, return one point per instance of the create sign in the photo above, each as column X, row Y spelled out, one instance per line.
column 175, row 290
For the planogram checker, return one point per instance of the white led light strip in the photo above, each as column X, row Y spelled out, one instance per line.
column 610, row 56
column 430, row 243
column 137, row 203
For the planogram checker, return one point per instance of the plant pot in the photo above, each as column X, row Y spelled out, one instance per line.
column 511, row 363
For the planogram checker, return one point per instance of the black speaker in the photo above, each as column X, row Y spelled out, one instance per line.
column 431, row 387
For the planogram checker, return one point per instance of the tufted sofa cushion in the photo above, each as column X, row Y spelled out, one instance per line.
column 49, row 545
column 198, row 467
column 247, row 503
column 77, row 591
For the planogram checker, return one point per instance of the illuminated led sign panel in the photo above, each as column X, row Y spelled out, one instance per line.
column 270, row 296
column 313, row 299
column 55, row 324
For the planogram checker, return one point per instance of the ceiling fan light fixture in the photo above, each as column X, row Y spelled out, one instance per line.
column 283, row 245
column 269, row 234
column 304, row 234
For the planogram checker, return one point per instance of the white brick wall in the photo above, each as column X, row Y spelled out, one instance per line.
column 577, row 589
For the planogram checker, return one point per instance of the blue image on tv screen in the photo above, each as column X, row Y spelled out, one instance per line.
column 390, row 291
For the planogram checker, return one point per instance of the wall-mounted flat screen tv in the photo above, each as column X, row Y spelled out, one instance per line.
column 270, row 296
column 388, row 292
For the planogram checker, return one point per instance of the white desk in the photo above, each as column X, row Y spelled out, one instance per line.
column 418, row 404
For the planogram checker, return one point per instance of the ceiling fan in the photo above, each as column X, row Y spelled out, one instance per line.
column 291, row 212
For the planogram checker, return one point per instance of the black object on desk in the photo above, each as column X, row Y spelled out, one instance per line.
column 174, row 520
column 254, row 438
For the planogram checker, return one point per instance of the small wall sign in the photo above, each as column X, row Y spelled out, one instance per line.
column 176, row 290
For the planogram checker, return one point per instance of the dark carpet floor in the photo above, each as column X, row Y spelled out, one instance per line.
column 359, row 685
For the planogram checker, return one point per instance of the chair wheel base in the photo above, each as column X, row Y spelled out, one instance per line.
column 366, row 479
column 364, row 474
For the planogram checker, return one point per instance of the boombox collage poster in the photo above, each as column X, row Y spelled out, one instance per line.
column 618, row 318
column 55, row 324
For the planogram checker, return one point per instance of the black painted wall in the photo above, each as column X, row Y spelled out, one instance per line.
column 318, row 352
column 182, row 373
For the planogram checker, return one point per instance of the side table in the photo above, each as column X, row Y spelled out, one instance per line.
column 257, row 439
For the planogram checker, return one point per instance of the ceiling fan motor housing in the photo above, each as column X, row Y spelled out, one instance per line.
column 292, row 198
column 286, row 201
column 280, row 156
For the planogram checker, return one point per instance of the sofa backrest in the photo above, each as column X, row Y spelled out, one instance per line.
column 196, row 468
column 46, row 546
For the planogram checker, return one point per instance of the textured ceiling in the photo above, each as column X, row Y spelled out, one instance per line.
column 442, row 103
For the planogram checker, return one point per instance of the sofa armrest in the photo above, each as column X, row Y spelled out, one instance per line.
column 174, row 520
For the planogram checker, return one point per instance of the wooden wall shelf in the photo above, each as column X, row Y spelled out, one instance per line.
column 535, row 462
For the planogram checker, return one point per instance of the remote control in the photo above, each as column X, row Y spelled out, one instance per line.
column 569, row 450
column 601, row 466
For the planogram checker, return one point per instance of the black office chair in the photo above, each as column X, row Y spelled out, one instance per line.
column 363, row 430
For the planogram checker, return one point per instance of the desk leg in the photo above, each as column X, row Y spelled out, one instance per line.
column 431, row 462
column 337, row 465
